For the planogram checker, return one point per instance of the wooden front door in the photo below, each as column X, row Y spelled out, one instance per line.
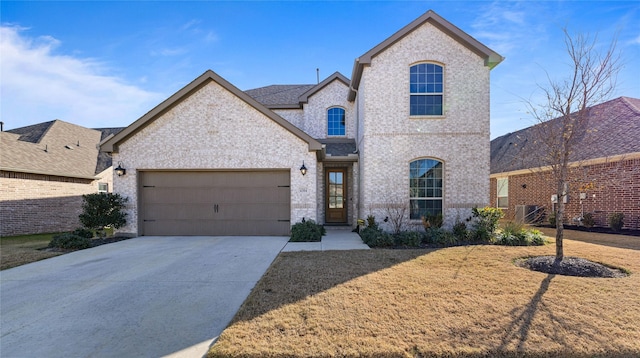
column 336, row 196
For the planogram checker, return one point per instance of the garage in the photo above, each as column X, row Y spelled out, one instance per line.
column 219, row 203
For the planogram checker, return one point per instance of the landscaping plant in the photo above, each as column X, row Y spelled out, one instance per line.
column 307, row 231
column 103, row 209
column 616, row 221
column 70, row 241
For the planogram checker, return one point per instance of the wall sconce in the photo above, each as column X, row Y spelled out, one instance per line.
column 120, row 171
column 303, row 169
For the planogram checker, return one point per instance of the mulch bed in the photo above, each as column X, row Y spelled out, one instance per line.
column 570, row 266
column 598, row 229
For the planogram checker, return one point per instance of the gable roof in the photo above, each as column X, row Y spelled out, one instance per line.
column 50, row 148
column 111, row 144
column 491, row 58
column 291, row 96
column 614, row 129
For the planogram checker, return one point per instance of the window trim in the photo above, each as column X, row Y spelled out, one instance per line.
column 442, row 186
column 103, row 191
column 498, row 197
column 442, row 94
column 345, row 121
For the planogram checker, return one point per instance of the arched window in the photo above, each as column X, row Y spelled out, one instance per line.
column 335, row 120
column 425, row 187
column 426, row 90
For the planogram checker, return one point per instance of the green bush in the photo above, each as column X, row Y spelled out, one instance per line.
column 408, row 239
column 440, row 237
column 307, row 231
column 486, row 223
column 515, row 234
column 588, row 220
column 82, row 232
column 552, row 218
column 103, row 209
column 460, row 231
column 70, row 241
column 432, row 221
column 371, row 222
column 375, row 237
column 616, row 221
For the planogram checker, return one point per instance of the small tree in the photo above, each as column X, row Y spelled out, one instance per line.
column 103, row 209
column 563, row 117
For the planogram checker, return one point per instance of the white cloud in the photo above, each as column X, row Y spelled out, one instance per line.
column 39, row 85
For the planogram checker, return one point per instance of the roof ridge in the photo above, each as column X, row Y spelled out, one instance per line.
column 630, row 104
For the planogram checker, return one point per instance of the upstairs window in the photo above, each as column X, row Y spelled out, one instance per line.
column 335, row 120
column 426, row 90
column 425, row 188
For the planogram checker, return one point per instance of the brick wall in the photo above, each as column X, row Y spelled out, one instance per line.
column 35, row 203
column 214, row 129
column 391, row 139
column 609, row 187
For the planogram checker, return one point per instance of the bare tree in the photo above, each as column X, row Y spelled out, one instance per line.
column 563, row 116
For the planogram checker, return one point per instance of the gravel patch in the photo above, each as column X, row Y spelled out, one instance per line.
column 570, row 266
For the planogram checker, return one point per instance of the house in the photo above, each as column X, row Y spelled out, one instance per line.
column 44, row 171
column 605, row 175
column 406, row 136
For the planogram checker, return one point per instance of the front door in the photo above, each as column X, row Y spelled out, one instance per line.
column 336, row 203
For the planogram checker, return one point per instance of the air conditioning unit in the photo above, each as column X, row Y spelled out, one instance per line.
column 524, row 213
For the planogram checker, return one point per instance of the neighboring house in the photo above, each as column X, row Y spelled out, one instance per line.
column 408, row 134
column 44, row 171
column 605, row 176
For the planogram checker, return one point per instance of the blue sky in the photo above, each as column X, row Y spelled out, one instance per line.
column 105, row 64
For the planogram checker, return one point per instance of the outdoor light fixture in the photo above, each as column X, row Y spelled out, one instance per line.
column 303, row 169
column 120, row 171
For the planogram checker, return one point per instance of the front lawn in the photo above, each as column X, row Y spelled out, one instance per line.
column 460, row 301
column 20, row 250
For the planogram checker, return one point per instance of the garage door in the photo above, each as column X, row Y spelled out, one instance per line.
column 215, row 203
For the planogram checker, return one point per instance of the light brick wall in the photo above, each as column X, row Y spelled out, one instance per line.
column 313, row 117
column 35, row 203
column 214, row 129
column 392, row 139
column 616, row 189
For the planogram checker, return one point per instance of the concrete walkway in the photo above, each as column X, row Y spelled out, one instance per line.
column 335, row 239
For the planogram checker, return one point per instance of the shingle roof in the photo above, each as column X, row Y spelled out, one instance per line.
column 104, row 159
column 279, row 96
column 614, row 129
column 32, row 133
column 339, row 147
column 62, row 149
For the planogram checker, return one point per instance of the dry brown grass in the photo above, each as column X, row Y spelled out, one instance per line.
column 463, row 301
column 20, row 250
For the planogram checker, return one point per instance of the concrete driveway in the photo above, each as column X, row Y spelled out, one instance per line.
column 143, row 297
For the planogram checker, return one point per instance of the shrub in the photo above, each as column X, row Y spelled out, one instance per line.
column 432, row 221
column 408, row 239
column 70, row 241
column 103, row 209
column 82, row 232
column 588, row 220
column 307, row 231
column 460, row 231
column 486, row 223
column 375, row 237
column 440, row 237
column 514, row 234
column 371, row 222
column 616, row 221
column 552, row 218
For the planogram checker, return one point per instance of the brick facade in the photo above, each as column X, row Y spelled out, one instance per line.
column 36, row 203
column 390, row 139
column 608, row 186
column 213, row 129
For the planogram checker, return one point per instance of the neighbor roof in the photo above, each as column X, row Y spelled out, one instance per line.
column 614, row 129
column 111, row 144
column 50, row 148
column 291, row 96
column 491, row 58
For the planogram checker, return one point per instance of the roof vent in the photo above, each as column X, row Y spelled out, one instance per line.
column 68, row 147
